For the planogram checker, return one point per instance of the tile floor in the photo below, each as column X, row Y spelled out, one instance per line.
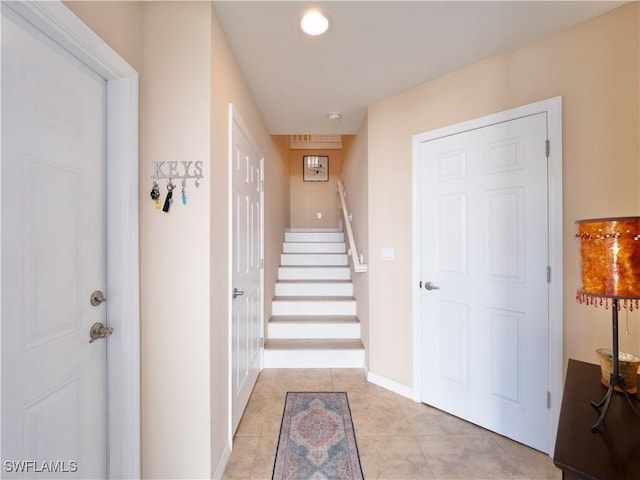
column 397, row 438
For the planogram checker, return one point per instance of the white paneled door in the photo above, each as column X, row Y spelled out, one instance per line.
column 54, row 420
column 484, row 248
column 246, row 281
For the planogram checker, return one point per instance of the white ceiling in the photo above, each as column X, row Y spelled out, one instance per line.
column 373, row 50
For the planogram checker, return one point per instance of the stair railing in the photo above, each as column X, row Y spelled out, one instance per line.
column 358, row 260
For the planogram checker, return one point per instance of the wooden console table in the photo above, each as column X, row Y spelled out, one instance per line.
column 613, row 453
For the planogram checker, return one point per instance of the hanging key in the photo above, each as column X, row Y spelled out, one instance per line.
column 184, row 193
column 155, row 194
column 169, row 199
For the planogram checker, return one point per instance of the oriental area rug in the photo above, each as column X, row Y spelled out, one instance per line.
column 317, row 440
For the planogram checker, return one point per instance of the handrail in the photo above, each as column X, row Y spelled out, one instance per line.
column 358, row 260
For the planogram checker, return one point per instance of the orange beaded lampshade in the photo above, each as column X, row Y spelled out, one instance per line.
column 610, row 261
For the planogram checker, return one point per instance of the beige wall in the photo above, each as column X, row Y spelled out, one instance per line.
column 277, row 216
column 228, row 86
column 175, row 246
column 309, row 198
column 354, row 178
column 188, row 78
column 594, row 67
column 118, row 23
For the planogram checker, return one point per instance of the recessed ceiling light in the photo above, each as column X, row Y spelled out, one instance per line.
column 334, row 116
column 314, row 23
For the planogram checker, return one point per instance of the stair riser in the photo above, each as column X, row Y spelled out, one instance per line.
column 314, row 247
column 325, row 307
column 332, row 259
column 341, row 289
column 313, row 358
column 319, row 273
column 317, row 330
column 314, row 237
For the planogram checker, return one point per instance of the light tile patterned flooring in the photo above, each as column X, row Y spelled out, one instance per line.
column 397, row 437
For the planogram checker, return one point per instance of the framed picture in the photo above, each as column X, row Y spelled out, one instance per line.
column 315, row 168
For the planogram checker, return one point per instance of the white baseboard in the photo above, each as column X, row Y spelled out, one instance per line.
column 222, row 464
column 390, row 385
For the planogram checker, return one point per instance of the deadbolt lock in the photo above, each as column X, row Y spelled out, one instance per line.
column 97, row 298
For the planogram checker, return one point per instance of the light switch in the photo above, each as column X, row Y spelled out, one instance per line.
column 388, row 253
column 319, row 215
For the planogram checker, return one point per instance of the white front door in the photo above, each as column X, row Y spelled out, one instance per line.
column 246, row 284
column 53, row 257
column 484, row 248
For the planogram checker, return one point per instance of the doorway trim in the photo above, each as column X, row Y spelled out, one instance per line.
column 55, row 20
column 553, row 108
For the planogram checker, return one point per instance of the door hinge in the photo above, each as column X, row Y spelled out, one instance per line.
column 261, row 342
column 548, row 399
column 548, row 274
column 262, row 263
column 262, row 185
column 547, row 148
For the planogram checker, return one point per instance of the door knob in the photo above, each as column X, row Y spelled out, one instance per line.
column 430, row 286
column 236, row 293
column 98, row 330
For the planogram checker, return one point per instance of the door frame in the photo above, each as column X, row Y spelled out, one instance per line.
column 235, row 118
column 55, row 20
column 553, row 108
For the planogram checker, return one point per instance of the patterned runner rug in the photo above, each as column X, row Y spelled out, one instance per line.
column 317, row 440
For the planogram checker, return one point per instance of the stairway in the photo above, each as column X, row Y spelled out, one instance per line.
column 314, row 322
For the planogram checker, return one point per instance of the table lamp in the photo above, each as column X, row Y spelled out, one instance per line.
column 610, row 264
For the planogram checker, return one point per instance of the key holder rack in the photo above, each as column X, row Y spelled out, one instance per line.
column 174, row 171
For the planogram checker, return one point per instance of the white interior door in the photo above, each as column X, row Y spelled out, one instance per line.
column 484, row 245
column 53, row 258
column 246, row 306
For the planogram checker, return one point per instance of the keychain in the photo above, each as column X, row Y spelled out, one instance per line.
column 155, row 194
column 169, row 199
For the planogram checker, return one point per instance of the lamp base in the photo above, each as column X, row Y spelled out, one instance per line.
column 616, row 383
column 627, row 368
